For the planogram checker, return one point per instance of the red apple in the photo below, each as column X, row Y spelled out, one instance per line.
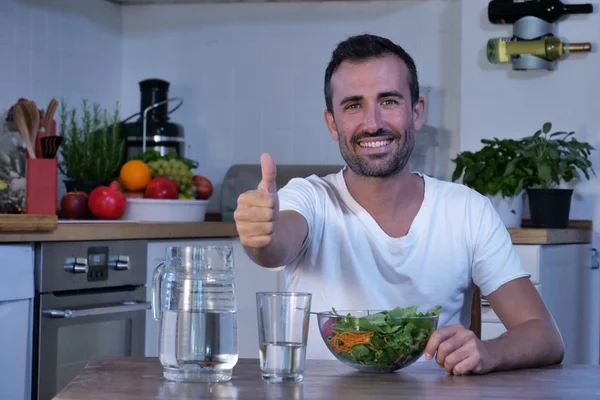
column 204, row 187
column 162, row 188
column 74, row 205
column 107, row 203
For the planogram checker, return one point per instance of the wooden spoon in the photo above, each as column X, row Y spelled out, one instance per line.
column 35, row 122
column 49, row 115
column 28, row 115
column 20, row 122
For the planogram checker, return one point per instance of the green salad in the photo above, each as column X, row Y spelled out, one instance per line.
column 386, row 340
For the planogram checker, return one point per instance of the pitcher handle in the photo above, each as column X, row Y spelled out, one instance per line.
column 156, row 289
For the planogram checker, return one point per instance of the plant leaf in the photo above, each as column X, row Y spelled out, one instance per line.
column 547, row 127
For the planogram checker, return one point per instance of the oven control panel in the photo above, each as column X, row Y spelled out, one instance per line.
column 97, row 260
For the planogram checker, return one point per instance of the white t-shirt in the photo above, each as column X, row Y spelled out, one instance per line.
column 348, row 262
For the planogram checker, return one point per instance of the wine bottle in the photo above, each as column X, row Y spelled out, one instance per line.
column 549, row 48
column 509, row 12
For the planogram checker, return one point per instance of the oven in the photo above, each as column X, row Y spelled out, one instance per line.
column 90, row 301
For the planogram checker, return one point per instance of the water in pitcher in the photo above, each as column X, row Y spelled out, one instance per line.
column 198, row 345
column 282, row 361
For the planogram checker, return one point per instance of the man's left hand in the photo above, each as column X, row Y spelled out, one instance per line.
column 459, row 351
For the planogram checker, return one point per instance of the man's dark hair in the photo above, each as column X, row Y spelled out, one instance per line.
column 365, row 47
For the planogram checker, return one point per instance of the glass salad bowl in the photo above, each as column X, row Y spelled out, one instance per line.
column 377, row 340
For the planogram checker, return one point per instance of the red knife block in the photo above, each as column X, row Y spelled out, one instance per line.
column 41, row 185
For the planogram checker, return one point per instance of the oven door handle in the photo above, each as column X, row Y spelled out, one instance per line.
column 127, row 306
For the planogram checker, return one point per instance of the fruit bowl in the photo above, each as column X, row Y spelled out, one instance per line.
column 375, row 340
column 159, row 210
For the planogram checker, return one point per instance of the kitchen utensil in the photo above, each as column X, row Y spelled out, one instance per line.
column 49, row 115
column 32, row 118
column 382, row 343
column 21, row 123
column 283, row 319
column 50, row 145
column 193, row 298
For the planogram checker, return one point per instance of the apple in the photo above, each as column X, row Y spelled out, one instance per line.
column 204, row 187
column 74, row 205
column 107, row 203
column 162, row 188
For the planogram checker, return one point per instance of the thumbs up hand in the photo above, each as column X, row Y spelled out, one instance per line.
column 257, row 210
column 269, row 173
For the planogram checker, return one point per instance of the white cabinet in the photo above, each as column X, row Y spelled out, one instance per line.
column 16, row 319
column 249, row 279
column 568, row 284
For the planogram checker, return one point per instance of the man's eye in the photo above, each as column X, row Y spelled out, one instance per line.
column 389, row 102
column 352, row 106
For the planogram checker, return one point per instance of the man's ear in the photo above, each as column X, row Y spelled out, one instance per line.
column 418, row 114
column 330, row 122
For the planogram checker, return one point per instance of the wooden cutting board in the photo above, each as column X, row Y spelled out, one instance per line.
column 27, row 223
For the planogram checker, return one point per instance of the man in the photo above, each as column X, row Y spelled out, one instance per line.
column 376, row 235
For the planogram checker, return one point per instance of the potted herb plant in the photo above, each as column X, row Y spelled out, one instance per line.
column 552, row 159
column 486, row 171
column 92, row 149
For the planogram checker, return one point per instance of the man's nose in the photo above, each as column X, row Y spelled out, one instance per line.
column 373, row 121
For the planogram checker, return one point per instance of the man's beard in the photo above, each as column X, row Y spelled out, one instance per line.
column 368, row 165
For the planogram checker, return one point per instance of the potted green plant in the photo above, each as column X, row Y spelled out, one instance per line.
column 552, row 159
column 92, row 149
column 486, row 172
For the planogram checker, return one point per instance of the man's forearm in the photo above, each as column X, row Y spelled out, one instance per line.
column 272, row 256
column 535, row 343
column 282, row 249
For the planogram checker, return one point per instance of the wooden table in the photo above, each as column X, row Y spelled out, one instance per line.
column 141, row 378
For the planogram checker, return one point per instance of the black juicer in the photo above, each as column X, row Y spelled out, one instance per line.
column 161, row 135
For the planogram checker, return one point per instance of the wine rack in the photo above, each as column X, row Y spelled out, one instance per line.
column 532, row 28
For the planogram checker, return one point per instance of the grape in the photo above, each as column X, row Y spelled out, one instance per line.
column 176, row 170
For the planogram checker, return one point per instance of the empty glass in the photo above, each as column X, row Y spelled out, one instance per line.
column 283, row 319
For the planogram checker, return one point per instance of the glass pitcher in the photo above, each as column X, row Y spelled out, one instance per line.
column 193, row 298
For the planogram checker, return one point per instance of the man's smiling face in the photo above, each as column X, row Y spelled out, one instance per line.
column 373, row 118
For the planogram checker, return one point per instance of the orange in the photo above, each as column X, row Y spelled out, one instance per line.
column 135, row 175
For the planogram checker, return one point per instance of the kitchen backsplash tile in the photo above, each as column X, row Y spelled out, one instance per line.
column 62, row 49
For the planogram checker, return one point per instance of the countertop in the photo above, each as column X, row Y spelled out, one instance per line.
column 129, row 378
column 115, row 230
column 15, row 229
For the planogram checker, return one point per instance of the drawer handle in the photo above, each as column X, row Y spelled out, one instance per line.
column 126, row 307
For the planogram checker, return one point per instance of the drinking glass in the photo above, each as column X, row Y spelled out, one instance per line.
column 283, row 319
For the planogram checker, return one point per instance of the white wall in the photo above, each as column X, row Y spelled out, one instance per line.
column 497, row 101
column 62, row 48
column 251, row 75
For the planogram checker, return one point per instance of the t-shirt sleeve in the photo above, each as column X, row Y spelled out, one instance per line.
column 299, row 195
column 495, row 261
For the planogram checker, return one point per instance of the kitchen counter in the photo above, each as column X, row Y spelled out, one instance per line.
column 126, row 378
column 48, row 229
column 119, row 230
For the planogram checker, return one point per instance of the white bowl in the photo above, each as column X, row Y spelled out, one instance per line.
column 158, row 210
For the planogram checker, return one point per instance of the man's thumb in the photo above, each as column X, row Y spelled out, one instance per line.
column 269, row 173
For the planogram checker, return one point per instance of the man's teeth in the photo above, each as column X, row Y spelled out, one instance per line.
column 379, row 143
